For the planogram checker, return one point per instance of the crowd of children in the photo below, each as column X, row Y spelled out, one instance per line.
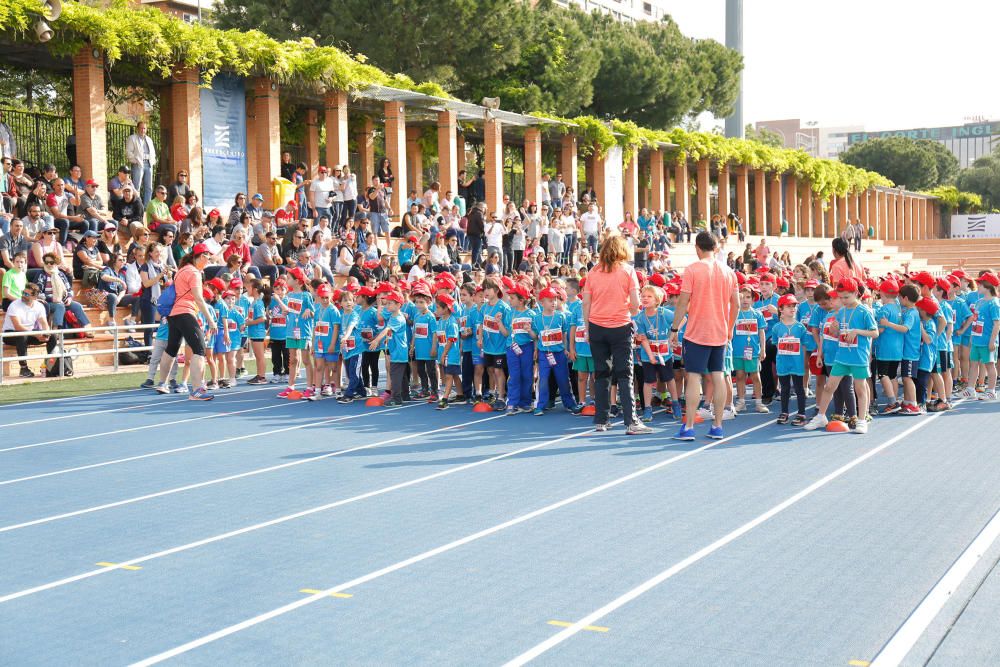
column 915, row 339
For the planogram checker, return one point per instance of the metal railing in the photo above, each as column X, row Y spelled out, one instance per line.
column 60, row 349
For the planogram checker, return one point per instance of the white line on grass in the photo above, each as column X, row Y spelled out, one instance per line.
column 354, row 583
column 680, row 566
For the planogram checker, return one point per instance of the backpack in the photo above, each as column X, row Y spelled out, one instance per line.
column 128, row 358
column 165, row 303
column 52, row 366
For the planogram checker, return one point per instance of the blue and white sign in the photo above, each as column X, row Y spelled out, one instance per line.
column 977, row 226
column 224, row 140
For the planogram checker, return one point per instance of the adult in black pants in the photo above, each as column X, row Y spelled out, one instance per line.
column 476, row 232
column 27, row 314
column 610, row 300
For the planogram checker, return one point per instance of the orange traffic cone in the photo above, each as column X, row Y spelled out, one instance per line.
column 837, row 427
column 589, row 411
column 482, row 406
column 294, row 395
column 374, row 402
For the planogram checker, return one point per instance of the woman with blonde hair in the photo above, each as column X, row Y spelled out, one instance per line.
column 610, row 300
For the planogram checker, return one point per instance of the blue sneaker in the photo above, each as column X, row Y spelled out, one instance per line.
column 200, row 395
column 647, row 414
column 715, row 433
column 538, row 412
column 686, row 434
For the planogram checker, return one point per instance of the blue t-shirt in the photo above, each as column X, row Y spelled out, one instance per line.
column 804, row 314
column 397, row 340
column 890, row 341
column 911, row 339
column 928, row 351
column 221, row 317
column 655, row 329
column 746, row 334
column 580, row 341
column 256, row 311
column 327, row 324
column 790, row 341
column 278, row 318
column 368, row 327
column 234, row 324
column 943, row 341
column 162, row 331
column 299, row 327
column 424, row 329
column 447, row 330
column 857, row 353
column 552, row 331
column 352, row 345
column 962, row 312
column 520, row 325
column 494, row 342
column 770, row 318
column 468, row 324
column 819, row 322
column 987, row 312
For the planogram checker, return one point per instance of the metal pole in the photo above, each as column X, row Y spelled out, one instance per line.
column 734, row 40
column 114, row 346
column 1, row 357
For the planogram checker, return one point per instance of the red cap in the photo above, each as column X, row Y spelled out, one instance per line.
column 548, row 293
column 324, row 290
column 215, row 211
column 298, row 274
column 924, row 278
column 741, row 278
column 444, row 276
column 443, row 285
column 991, row 278
column 766, row 277
column 641, row 275
column 228, row 293
column 782, row 282
column 446, row 300
column 235, row 282
column 955, row 280
column 366, row 291
column 420, row 289
column 507, row 282
column 889, row 286
column 403, row 285
column 847, row 285
column 322, row 170
column 200, row 249
column 91, row 181
column 929, row 306
column 207, row 294
column 871, row 284
column 658, row 280
column 350, row 236
column 280, row 282
column 371, row 264
column 673, row 289
column 394, row 296
column 787, row 300
column 412, row 238
column 521, row 291
column 337, row 293
column 291, row 203
column 762, row 270
column 944, row 284
column 811, row 284
column 383, row 288
column 833, row 294
column 960, row 273
column 217, row 283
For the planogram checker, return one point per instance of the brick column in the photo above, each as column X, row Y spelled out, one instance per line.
column 335, row 104
column 722, row 180
column 704, row 190
column 415, row 160
column 864, row 211
column 631, row 186
column 792, row 205
column 588, row 175
column 657, row 197
column 183, row 120
column 760, row 202
column 89, row 122
column 842, row 211
column 743, row 196
column 911, row 218
column 365, row 139
column 493, row 150
column 447, row 136
column 819, row 226
column 830, row 219
column 883, row 213
column 805, row 209
column 267, row 128
column 682, row 194
column 312, row 144
column 395, row 150
column 567, row 162
column 533, row 165
column 774, row 219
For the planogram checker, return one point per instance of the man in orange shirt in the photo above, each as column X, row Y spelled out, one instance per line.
column 710, row 300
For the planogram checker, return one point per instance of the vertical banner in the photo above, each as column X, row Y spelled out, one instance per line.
column 614, row 183
column 224, row 141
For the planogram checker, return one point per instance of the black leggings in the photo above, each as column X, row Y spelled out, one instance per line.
column 767, row 372
column 787, row 381
column 369, row 368
column 184, row 327
column 923, row 379
column 844, row 400
column 279, row 358
column 428, row 374
column 612, row 351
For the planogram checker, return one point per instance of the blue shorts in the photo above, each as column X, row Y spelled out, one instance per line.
column 219, row 346
column 453, row 370
column 329, row 356
column 704, row 358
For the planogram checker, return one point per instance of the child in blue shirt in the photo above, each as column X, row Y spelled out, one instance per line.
column 472, row 355
column 889, row 351
column 300, row 312
column 220, row 343
column 767, row 305
column 234, row 324
column 551, row 327
column 447, row 349
column 256, row 324
column 985, row 328
column 494, row 330
column 909, row 328
column 350, row 348
column 424, row 329
column 788, row 336
column 520, row 351
column 276, row 308
column 159, row 345
column 326, row 348
column 653, row 325
column 927, row 363
column 396, row 337
column 749, row 347
column 578, row 350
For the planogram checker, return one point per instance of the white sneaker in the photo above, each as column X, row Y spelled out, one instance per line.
column 819, row 421
column 810, row 393
column 181, row 389
column 763, row 409
column 989, row 396
column 728, row 413
column 740, row 405
column 969, row 392
column 861, row 427
column 706, row 413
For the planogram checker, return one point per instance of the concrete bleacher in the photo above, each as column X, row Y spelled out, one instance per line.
column 977, row 254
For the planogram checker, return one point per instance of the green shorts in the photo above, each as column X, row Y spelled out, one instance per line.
column 981, row 354
column 856, row 372
column 583, row 364
column 746, row 365
column 298, row 343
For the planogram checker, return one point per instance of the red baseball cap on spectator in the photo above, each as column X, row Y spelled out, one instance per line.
column 322, row 170
column 217, row 283
column 412, row 238
column 762, row 270
column 872, row 284
column 200, row 249
column 889, row 286
column 324, row 290
column 215, row 211
column 990, row 278
column 291, row 203
column 787, row 300
column 847, row 285
column 91, row 181
column 924, row 278
column 929, row 306
column 444, row 276
column 394, row 296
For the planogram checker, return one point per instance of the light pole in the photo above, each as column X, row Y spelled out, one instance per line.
column 734, row 40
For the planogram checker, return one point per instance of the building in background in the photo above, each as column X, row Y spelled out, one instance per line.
column 186, row 10
column 821, row 142
column 967, row 142
column 622, row 10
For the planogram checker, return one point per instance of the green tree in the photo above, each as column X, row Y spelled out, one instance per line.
column 983, row 178
column 904, row 161
column 947, row 163
column 764, row 136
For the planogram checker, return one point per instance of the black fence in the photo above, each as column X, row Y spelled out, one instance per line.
column 44, row 138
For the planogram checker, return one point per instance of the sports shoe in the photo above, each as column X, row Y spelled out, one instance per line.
column 163, row 388
column 433, row 398
column 442, row 404
column 647, row 415
column 148, row 384
column 459, row 400
column 211, row 386
column 728, row 413
column 638, row 428
column 393, row 403
column 26, row 372
column 819, row 421
column 538, row 412
column 715, row 433
column 782, row 418
column 601, row 428
column 685, row 434
column 706, row 413
column 275, row 379
column 861, row 427
column 989, row 396
column 910, row 410
column 656, row 401
column 310, row 394
column 345, row 400
column 799, row 420
column 200, row 395
column 257, row 379
column 241, row 371
column 852, row 422
column 181, row 389
column 837, row 417
column 614, row 411
column 577, row 409
column 810, row 393
column 763, row 409
column 892, row 408
column 676, row 411
column 740, row 405
column 286, row 392
column 767, row 401
column 499, row 405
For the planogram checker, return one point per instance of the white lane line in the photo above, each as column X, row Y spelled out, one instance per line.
column 413, row 560
column 680, row 566
column 904, row 639
column 291, row 517
column 172, row 422
column 242, row 475
column 134, row 406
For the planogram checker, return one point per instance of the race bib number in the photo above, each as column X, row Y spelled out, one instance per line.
column 420, row 330
column 552, row 336
column 465, row 330
column 748, row 354
column 367, row 335
column 441, row 338
column 491, row 325
column 231, row 325
column 660, row 347
column 977, row 328
column 844, row 343
column 747, row 327
column 521, row 325
column 322, row 328
column 349, row 343
column 766, row 312
column 827, row 329
column 789, row 345
column 278, row 321
column 551, row 358
column 580, row 335
column 678, row 351
column 296, row 333
column 295, row 305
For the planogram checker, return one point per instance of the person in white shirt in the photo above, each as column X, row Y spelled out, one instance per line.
column 337, row 198
column 319, row 193
column 568, row 227
column 349, row 186
column 591, row 226
column 494, row 237
column 27, row 314
column 142, row 156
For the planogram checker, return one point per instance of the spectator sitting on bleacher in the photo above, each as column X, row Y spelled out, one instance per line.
column 108, row 243
column 267, row 257
column 128, row 210
column 140, row 239
column 158, row 211
column 118, row 184
column 35, row 223
column 113, row 282
column 47, row 243
column 192, row 221
column 261, row 228
column 235, row 213
column 27, row 314
column 57, row 291
column 91, row 206
column 59, row 202
column 215, row 245
column 13, row 243
column 87, row 262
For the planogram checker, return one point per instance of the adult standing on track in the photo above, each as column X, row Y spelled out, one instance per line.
column 183, row 322
column 710, row 301
column 610, row 299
